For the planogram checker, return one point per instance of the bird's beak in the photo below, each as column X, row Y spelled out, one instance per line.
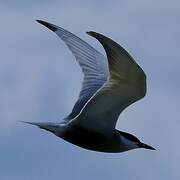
column 145, row 146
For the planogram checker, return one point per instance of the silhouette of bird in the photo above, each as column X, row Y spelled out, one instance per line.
column 109, row 86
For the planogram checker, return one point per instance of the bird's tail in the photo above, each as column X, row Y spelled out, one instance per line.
column 40, row 124
column 49, row 126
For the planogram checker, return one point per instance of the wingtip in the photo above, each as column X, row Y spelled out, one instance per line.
column 91, row 33
column 94, row 34
column 48, row 25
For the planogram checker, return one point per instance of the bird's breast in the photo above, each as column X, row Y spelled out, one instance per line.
column 91, row 140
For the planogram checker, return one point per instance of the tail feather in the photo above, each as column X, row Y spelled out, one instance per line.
column 49, row 126
column 40, row 125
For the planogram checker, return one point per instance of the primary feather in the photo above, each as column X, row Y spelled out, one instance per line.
column 93, row 64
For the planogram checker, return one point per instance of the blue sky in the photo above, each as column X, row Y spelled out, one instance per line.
column 40, row 81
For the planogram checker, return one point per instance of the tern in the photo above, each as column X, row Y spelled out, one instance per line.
column 110, row 85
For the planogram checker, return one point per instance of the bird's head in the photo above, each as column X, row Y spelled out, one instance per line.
column 133, row 142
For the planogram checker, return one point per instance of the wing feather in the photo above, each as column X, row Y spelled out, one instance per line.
column 126, row 85
column 93, row 64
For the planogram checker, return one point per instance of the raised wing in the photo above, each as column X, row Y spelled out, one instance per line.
column 126, row 84
column 93, row 64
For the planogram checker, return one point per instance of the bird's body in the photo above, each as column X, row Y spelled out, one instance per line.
column 88, row 139
column 113, row 142
column 110, row 85
column 95, row 141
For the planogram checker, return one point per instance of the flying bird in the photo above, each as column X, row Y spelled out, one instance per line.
column 110, row 85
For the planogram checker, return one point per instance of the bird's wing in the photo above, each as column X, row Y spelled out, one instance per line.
column 126, row 84
column 93, row 64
